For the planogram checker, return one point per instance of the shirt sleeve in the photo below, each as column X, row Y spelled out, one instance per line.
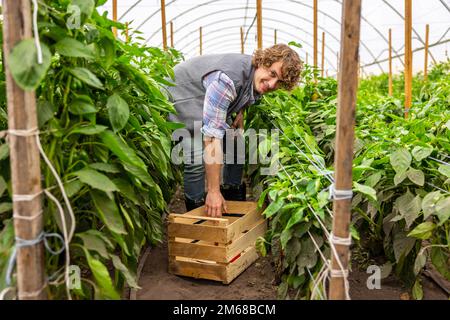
column 220, row 93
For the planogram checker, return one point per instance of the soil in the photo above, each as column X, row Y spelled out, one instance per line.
column 255, row 283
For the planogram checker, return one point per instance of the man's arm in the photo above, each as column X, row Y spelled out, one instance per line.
column 214, row 203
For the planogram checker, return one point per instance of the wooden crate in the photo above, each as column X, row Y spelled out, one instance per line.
column 215, row 248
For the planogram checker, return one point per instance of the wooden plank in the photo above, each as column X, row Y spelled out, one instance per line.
column 196, row 269
column 24, row 157
column 246, row 240
column 199, row 250
column 348, row 84
column 235, row 268
column 236, row 228
column 198, row 232
column 215, row 221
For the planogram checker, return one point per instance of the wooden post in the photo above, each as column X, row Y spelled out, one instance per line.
column 242, row 40
column 24, row 158
column 127, row 37
column 315, row 35
column 201, row 42
column 115, row 17
column 408, row 56
column 350, row 33
column 306, row 58
column 171, row 34
column 275, row 36
column 163, row 24
column 323, row 54
column 337, row 64
column 259, row 22
column 390, row 90
column 425, row 69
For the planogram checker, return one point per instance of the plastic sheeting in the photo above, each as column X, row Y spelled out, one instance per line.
column 293, row 19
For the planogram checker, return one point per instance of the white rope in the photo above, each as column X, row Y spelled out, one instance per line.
column 32, row 294
column 36, row 32
column 28, row 218
column 341, row 241
column 25, row 197
column 336, row 194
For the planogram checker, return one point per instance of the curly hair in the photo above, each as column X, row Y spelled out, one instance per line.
column 291, row 64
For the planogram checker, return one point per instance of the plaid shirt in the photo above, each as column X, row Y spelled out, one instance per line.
column 220, row 93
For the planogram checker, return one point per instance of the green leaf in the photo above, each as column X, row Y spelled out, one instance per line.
column 445, row 170
column 90, row 129
column 373, row 179
column 108, row 212
column 72, row 187
column 4, row 151
column 273, row 207
column 295, row 218
column 102, row 277
column 399, row 177
column 285, row 236
column 118, row 111
column 368, row 191
column 400, row 160
column 420, row 262
column 87, row 77
column 307, row 257
column 423, row 231
column 402, row 245
column 45, row 112
column 416, row 176
column 79, row 107
column 443, row 210
column 94, row 243
column 5, row 207
column 3, row 185
column 105, row 167
column 121, row 149
column 126, row 189
column 429, row 203
column 439, row 258
column 129, row 276
column 86, row 6
column 73, row 48
column 24, row 66
column 419, row 153
column 409, row 207
column 417, row 291
column 96, row 180
column 260, row 246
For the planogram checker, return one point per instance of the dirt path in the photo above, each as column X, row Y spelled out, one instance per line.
column 255, row 283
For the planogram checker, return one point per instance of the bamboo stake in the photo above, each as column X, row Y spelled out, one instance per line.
column 306, row 58
column 259, row 22
column 127, row 37
column 275, row 36
column 115, row 17
column 408, row 56
column 24, row 158
column 350, row 33
column 390, row 63
column 242, row 40
column 201, row 41
column 323, row 53
column 315, row 34
column 163, row 24
column 171, row 34
column 427, row 35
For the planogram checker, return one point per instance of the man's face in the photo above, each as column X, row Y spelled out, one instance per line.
column 267, row 79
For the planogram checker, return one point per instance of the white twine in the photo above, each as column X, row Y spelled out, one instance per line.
column 336, row 194
column 28, row 218
column 25, row 197
column 341, row 241
column 36, row 32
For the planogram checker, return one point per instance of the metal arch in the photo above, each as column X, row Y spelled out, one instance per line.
column 377, row 31
column 445, row 5
column 267, row 19
column 414, row 30
column 237, row 26
column 308, row 6
column 129, row 9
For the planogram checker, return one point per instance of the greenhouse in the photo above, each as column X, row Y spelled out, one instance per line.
column 225, row 150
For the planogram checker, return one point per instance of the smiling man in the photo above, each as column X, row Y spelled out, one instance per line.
column 208, row 91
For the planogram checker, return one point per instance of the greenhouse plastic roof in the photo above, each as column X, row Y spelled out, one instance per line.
column 221, row 21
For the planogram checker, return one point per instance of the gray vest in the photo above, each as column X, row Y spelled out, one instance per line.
column 189, row 94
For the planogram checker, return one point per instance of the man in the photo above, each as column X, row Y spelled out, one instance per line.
column 208, row 90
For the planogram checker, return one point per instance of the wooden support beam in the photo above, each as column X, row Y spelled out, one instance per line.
column 163, row 24
column 115, row 16
column 315, row 34
column 427, row 36
column 275, row 36
column 171, row 34
column 201, row 41
column 408, row 56
column 242, row 40
column 390, row 89
column 127, row 37
column 323, row 55
column 259, row 22
column 348, row 83
column 24, row 158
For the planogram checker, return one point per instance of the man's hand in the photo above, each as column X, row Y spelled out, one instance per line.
column 215, row 204
column 238, row 123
